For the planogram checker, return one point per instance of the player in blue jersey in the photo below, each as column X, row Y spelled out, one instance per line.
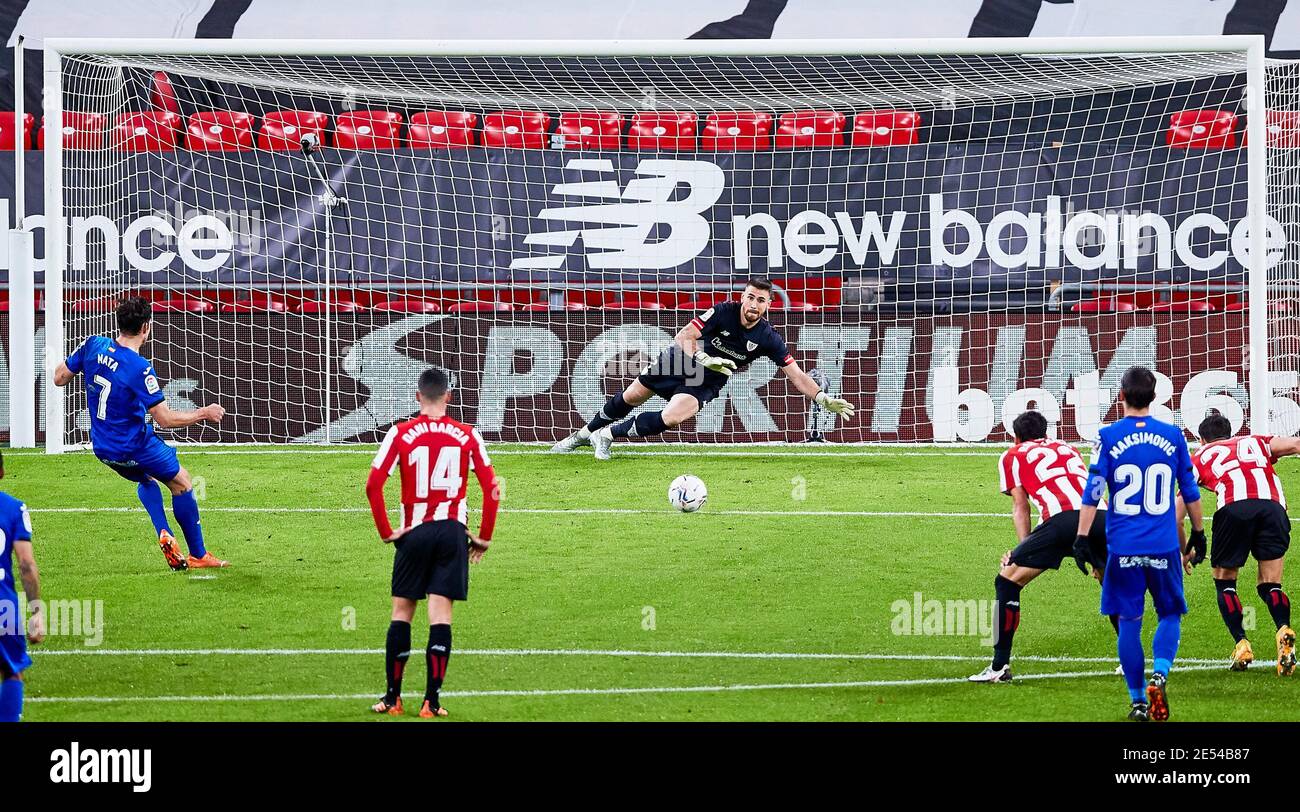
column 16, row 541
column 121, row 388
column 694, row 368
column 1140, row 459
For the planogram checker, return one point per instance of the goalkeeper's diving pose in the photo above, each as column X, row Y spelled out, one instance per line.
column 694, row 368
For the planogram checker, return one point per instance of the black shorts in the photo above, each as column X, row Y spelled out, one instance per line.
column 665, row 386
column 432, row 559
column 1251, row 527
column 1053, row 541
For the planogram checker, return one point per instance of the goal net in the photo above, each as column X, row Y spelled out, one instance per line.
column 953, row 237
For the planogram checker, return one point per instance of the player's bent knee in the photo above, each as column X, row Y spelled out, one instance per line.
column 180, row 483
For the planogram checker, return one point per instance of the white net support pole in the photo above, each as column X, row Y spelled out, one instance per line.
column 55, row 249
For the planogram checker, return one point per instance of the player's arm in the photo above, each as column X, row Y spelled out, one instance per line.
column 1020, row 512
column 1284, row 446
column 31, row 578
column 380, row 469
column 808, row 388
column 62, row 375
column 491, row 485
column 168, row 418
column 69, row 367
column 688, row 340
column 1193, row 548
column 1093, row 491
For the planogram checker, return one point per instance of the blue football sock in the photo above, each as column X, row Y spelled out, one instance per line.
column 1132, row 657
column 1164, row 646
column 11, row 700
column 151, row 497
column 186, row 508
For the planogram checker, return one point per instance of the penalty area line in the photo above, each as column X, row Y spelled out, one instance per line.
column 621, row 691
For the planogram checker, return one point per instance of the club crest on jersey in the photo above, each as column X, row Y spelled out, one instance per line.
column 751, row 346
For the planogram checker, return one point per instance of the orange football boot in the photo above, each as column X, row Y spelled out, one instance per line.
column 208, row 560
column 429, row 712
column 172, row 551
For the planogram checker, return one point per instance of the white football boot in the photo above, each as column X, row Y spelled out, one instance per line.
column 601, row 441
column 570, row 443
column 989, row 674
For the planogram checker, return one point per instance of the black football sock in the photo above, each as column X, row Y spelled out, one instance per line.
column 614, row 409
column 438, row 653
column 396, row 653
column 1279, row 605
column 1114, row 621
column 1230, row 607
column 646, row 424
column 1008, row 619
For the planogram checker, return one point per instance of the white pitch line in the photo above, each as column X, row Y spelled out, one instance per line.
column 880, row 514
column 531, row 652
column 545, row 692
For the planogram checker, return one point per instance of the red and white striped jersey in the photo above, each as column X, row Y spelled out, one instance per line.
column 1239, row 468
column 1051, row 472
column 435, row 456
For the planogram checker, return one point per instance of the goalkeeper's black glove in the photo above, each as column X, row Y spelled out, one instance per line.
column 1082, row 549
column 1196, row 545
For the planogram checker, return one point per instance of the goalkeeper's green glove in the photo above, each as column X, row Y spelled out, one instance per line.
column 726, row 366
column 837, row 406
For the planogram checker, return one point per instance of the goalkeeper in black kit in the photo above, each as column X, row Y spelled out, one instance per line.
column 693, row 370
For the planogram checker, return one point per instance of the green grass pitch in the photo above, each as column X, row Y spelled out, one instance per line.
column 784, row 599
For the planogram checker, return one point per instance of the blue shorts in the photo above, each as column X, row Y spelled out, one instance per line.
column 13, row 637
column 153, row 458
column 1129, row 577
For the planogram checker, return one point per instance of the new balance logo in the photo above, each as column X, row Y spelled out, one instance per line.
column 616, row 225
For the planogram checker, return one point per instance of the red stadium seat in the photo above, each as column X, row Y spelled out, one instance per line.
column 283, row 130
column 795, row 304
column 368, row 129
column 185, row 304
column 516, row 129
column 591, row 129
column 633, row 304
column 409, row 306
column 1103, row 305
column 737, row 131
column 335, row 306
column 480, row 307
column 257, row 303
column 1185, row 306
column 93, row 305
column 1282, row 128
column 667, row 130
column 219, row 131
column 146, row 132
column 810, row 128
column 542, row 307
column 162, row 95
column 886, row 128
column 9, row 130
column 1202, row 129
column 442, row 129
column 701, row 304
column 80, row 131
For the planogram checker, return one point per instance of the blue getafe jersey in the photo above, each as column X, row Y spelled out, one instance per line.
column 1139, row 459
column 121, row 387
column 15, row 525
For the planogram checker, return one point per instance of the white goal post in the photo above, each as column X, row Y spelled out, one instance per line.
column 958, row 229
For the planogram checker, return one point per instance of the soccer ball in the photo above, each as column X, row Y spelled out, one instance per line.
column 687, row 493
